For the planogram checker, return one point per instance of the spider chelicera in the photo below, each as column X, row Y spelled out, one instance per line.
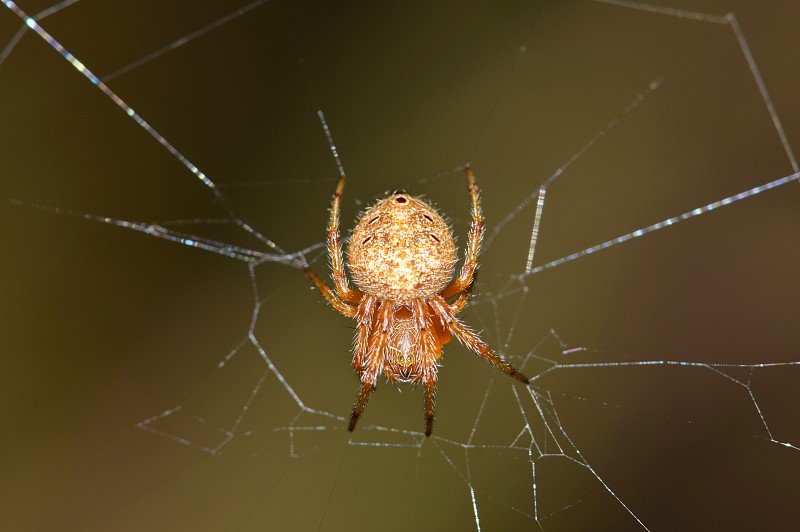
column 402, row 257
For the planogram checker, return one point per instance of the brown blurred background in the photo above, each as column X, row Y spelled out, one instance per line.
column 104, row 328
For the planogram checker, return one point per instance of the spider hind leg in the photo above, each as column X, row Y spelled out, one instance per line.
column 473, row 342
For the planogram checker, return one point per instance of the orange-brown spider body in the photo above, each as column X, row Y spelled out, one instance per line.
column 401, row 250
column 402, row 257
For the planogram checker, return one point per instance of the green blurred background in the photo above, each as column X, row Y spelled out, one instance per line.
column 104, row 328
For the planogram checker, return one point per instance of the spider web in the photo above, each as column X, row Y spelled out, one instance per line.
column 637, row 173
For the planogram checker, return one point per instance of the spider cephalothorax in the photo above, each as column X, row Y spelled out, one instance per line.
column 402, row 258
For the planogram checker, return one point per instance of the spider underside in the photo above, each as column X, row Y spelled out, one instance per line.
column 402, row 258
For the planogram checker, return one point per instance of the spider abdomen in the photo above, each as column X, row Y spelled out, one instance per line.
column 401, row 249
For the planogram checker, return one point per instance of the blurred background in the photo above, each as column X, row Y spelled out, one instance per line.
column 130, row 398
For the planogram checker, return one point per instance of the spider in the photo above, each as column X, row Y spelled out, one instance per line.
column 402, row 257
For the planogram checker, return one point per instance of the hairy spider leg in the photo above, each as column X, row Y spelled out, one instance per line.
column 471, row 340
column 340, row 281
column 430, row 400
column 373, row 363
column 346, row 309
column 346, row 295
column 431, row 351
column 464, row 280
column 459, row 304
column 365, row 317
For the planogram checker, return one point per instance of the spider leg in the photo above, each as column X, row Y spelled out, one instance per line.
column 430, row 399
column 430, row 347
column 365, row 317
column 348, row 294
column 361, row 402
column 464, row 279
column 348, row 310
column 472, row 341
column 459, row 304
column 372, row 364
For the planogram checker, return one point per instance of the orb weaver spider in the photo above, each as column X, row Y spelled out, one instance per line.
column 402, row 257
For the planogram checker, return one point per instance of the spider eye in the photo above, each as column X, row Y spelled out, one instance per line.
column 427, row 217
column 401, row 199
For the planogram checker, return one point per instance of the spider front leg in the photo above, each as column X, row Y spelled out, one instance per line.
column 464, row 280
column 372, row 364
column 430, row 400
column 365, row 317
column 361, row 402
column 348, row 294
column 430, row 348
